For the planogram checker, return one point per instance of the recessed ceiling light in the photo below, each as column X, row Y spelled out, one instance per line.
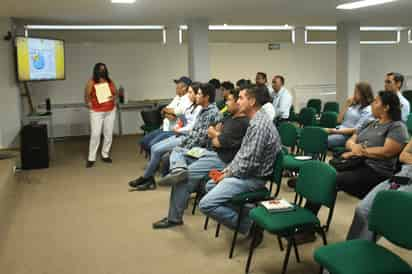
column 123, row 1
column 362, row 4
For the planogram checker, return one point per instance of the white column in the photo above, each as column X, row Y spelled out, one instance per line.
column 198, row 46
column 347, row 59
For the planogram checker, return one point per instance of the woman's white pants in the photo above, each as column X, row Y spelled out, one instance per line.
column 101, row 121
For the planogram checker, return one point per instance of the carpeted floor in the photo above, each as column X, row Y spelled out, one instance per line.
column 73, row 220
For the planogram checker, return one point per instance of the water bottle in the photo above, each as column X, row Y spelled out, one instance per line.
column 121, row 94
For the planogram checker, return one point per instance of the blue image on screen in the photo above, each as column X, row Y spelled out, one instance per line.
column 38, row 61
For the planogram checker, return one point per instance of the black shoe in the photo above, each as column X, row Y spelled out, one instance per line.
column 165, row 223
column 138, row 181
column 89, row 164
column 292, row 183
column 107, row 160
column 149, row 184
column 173, row 178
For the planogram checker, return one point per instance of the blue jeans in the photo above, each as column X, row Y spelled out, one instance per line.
column 197, row 170
column 214, row 203
column 179, row 160
column 158, row 150
column 337, row 140
column 154, row 137
column 359, row 227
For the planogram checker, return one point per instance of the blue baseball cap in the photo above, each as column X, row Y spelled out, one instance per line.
column 183, row 79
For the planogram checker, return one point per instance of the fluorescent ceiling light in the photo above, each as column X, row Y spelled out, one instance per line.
column 381, row 28
column 123, row 1
column 410, row 36
column 94, row 27
column 250, row 27
column 321, row 28
column 362, row 4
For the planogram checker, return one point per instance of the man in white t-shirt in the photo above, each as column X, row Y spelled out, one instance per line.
column 176, row 108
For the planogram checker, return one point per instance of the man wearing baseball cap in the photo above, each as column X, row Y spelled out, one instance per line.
column 176, row 108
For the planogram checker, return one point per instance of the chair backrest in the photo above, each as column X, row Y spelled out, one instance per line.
column 307, row 116
column 390, row 216
column 328, row 119
column 292, row 114
column 409, row 124
column 278, row 168
column 317, row 183
column 408, row 95
column 288, row 134
column 331, row 106
column 316, row 104
column 151, row 117
column 314, row 141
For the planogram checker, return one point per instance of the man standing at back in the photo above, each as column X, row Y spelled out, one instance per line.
column 394, row 83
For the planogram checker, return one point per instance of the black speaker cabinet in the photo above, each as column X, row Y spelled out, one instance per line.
column 34, row 147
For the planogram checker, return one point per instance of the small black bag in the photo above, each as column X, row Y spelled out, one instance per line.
column 341, row 164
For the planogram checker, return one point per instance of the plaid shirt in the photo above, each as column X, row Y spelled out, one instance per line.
column 198, row 135
column 258, row 151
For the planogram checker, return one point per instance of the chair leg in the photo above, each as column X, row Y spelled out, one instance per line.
column 280, row 243
column 251, row 249
column 277, row 190
column 206, row 223
column 285, row 262
column 195, row 202
column 239, row 219
column 323, row 234
column 321, row 270
column 217, row 230
column 296, row 250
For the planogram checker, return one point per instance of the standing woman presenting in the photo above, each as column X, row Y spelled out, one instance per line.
column 100, row 98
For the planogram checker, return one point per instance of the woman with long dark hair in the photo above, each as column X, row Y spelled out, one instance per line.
column 355, row 112
column 102, row 113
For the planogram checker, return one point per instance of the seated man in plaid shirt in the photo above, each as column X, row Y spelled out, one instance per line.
column 252, row 165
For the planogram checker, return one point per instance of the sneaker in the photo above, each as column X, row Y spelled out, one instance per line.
column 138, row 181
column 174, row 177
column 165, row 223
column 107, row 160
column 292, row 183
column 149, row 184
column 89, row 164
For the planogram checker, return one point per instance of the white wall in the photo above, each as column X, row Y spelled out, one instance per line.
column 9, row 92
column 377, row 60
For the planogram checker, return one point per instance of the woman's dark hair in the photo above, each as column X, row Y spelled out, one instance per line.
column 243, row 83
column 208, row 90
column 391, row 100
column 97, row 75
column 365, row 92
column 260, row 93
column 228, row 85
column 264, row 76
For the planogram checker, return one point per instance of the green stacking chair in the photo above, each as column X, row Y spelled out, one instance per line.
column 316, row 104
column 316, row 183
column 328, row 120
column 389, row 217
column 408, row 95
column 307, row 117
column 409, row 124
column 313, row 142
column 241, row 201
column 288, row 133
column 331, row 106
